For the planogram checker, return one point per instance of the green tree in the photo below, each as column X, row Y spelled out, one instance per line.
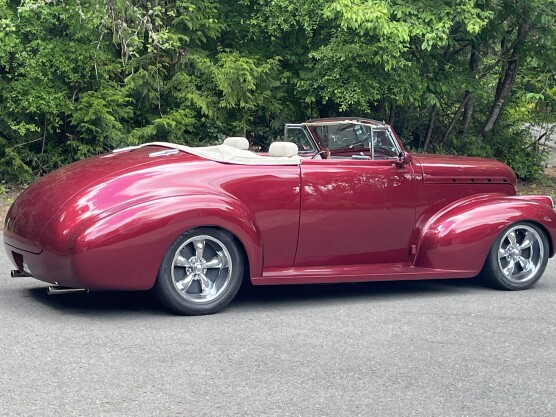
column 459, row 76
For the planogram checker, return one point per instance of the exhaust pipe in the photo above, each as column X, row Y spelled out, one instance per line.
column 18, row 274
column 57, row 290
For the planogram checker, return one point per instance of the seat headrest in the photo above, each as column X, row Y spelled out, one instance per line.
column 282, row 149
column 237, row 142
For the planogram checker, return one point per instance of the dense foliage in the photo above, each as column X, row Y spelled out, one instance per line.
column 79, row 77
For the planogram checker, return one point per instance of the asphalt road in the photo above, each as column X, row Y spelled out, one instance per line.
column 430, row 348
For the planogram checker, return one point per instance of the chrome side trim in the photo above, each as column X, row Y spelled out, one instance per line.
column 57, row 290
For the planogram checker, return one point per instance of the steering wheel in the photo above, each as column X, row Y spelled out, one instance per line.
column 324, row 154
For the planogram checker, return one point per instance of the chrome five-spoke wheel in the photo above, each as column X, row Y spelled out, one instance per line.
column 201, row 272
column 518, row 257
column 202, row 268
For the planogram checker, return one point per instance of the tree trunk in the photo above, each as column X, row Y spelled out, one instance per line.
column 504, row 92
column 392, row 114
column 506, row 81
column 432, row 120
column 468, row 115
column 503, row 45
column 456, row 115
column 470, row 105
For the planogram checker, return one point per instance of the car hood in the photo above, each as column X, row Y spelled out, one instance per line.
column 71, row 193
column 463, row 169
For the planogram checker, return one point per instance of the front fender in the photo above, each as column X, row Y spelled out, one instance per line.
column 459, row 237
column 124, row 249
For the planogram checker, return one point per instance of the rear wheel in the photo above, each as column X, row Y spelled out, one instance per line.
column 517, row 258
column 200, row 273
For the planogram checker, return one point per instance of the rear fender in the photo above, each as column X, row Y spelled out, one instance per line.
column 132, row 242
column 460, row 236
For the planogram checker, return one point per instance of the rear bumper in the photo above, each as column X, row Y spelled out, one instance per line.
column 44, row 266
column 93, row 269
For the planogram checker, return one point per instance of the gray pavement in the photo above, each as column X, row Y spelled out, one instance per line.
column 431, row 348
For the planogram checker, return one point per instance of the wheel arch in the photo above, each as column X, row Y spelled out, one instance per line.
column 241, row 248
column 460, row 236
column 547, row 234
column 145, row 231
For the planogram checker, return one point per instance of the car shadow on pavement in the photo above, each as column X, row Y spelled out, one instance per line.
column 101, row 303
column 375, row 291
column 249, row 296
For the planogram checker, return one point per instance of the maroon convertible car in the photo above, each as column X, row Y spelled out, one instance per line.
column 339, row 200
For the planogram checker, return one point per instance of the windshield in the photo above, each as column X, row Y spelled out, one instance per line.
column 358, row 136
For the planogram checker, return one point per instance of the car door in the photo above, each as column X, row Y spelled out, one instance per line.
column 355, row 212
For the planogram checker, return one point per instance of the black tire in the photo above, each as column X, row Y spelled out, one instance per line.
column 517, row 258
column 188, row 283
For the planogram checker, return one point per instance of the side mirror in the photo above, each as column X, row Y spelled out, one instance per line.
column 404, row 158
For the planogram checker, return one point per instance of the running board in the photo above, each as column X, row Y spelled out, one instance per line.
column 355, row 273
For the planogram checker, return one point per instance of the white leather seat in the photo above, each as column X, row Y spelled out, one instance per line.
column 237, row 142
column 282, row 149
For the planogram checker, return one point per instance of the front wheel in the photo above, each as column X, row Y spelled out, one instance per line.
column 200, row 273
column 517, row 258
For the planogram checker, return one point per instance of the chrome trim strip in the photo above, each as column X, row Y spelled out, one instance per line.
column 57, row 290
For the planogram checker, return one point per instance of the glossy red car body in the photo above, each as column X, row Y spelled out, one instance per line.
column 105, row 223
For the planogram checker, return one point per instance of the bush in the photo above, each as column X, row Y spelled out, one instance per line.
column 518, row 149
